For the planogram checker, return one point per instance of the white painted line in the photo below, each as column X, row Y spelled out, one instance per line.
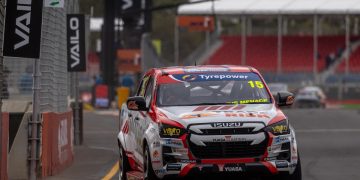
column 101, row 148
column 327, row 130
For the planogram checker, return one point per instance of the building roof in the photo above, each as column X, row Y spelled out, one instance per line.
column 271, row 7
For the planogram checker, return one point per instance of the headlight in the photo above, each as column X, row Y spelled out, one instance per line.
column 169, row 131
column 279, row 128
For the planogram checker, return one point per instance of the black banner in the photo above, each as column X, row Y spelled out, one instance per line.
column 76, row 42
column 23, row 28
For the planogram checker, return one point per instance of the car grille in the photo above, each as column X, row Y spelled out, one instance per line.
column 214, row 150
column 228, row 131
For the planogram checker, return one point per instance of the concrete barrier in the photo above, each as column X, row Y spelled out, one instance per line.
column 57, row 151
column 19, row 116
column 4, row 146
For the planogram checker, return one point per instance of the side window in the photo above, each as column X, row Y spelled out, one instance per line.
column 142, row 88
column 148, row 94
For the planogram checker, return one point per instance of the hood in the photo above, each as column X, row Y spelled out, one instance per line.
column 187, row 115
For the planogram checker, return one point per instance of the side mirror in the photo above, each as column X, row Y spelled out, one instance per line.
column 284, row 99
column 136, row 103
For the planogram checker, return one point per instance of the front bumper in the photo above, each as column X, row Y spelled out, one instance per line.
column 280, row 155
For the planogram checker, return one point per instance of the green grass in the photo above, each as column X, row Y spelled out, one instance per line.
column 351, row 106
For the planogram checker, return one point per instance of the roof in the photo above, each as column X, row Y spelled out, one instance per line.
column 205, row 68
column 271, row 7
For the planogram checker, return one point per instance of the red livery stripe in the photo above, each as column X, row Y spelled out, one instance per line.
column 200, row 108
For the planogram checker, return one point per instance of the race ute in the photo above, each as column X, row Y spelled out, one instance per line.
column 186, row 121
column 310, row 97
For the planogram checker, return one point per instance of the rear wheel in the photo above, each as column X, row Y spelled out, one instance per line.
column 148, row 170
column 124, row 165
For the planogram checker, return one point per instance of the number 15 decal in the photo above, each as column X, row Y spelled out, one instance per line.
column 257, row 84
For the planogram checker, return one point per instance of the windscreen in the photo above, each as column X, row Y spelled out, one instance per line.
column 213, row 89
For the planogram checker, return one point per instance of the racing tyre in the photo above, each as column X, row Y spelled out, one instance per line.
column 124, row 165
column 148, row 170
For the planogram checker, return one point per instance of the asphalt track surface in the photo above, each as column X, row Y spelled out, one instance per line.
column 329, row 143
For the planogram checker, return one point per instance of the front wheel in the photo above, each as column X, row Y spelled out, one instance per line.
column 124, row 165
column 148, row 170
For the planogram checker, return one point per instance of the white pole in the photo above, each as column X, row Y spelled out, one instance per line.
column 279, row 44
column 243, row 40
column 176, row 42
column 316, row 45
column 348, row 45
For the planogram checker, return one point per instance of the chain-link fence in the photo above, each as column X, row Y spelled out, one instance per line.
column 55, row 80
column 3, row 90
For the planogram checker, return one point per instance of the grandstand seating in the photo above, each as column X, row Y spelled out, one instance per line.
column 354, row 62
column 262, row 52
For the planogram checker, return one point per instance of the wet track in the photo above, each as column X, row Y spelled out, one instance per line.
column 329, row 142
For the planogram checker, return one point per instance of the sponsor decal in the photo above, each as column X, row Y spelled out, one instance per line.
column 199, row 115
column 54, row 3
column 227, row 124
column 160, row 171
column 213, row 77
column 187, row 161
column 247, row 114
column 229, row 139
column 249, row 101
column 274, row 148
column 172, row 143
column 189, row 77
column 156, row 144
column 156, row 154
column 76, row 43
column 156, row 162
column 280, row 129
column 180, row 150
column 233, row 168
column 292, row 165
column 132, row 105
column 290, row 100
column 62, row 137
column 270, row 159
column 171, row 131
column 22, row 31
column 281, row 164
column 222, row 76
column 173, row 167
column 281, row 139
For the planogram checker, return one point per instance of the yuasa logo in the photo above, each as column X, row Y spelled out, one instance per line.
column 74, row 42
column 233, row 169
column 22, row 23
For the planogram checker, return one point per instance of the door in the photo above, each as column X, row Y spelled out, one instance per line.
column 140, row 119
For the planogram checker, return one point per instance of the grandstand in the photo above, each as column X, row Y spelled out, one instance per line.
column 281, row 53
column 261, row 52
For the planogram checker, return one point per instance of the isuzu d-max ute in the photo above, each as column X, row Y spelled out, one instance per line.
column 193, row 120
